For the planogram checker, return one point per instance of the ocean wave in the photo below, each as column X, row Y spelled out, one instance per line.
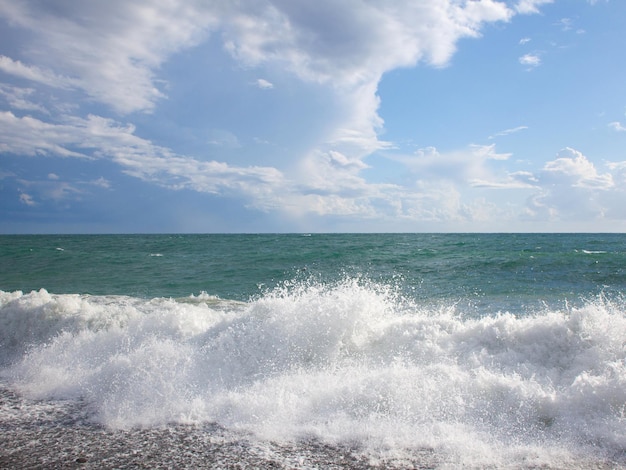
column 353, row 362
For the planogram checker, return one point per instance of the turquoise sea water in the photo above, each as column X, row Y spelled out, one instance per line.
column 511, row 271
column 478, row 350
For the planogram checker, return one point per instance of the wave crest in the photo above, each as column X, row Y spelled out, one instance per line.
column 349, row 362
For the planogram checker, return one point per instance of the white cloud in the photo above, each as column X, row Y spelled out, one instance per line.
column 325, row 183
column 110, row 50
column 98, row 137
column 516, row 180
column 508, row 131
column 30, row 136
column 445, row 187
column 432, row 202
column 264, row 84
column 34, row 73
column 530, row 6
column 19, row 98
column 113, row 51
column 573, row 168
column 571, row 188
column 27, row 199
column 462, row 165
column 617, row 126
column 565, row 24
column 350, row 45
column 531, row 60
column 101, row 183
column 52, row 189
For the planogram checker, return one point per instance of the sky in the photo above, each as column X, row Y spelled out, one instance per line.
column 222, row 116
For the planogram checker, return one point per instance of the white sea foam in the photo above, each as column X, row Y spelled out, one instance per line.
column 351, row 363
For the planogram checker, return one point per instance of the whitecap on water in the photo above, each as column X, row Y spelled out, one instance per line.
column 349, row 364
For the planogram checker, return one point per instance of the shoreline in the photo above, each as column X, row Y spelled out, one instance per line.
column 45, row 434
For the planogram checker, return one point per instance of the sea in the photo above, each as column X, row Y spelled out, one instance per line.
column 313, row 351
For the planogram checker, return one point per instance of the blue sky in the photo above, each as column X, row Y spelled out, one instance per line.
column 312, row 116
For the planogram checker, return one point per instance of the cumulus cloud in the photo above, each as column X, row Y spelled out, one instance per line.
column 348, row 46
column 326, row 183
column 570, row 187
column 113, row 51
column 573, row 168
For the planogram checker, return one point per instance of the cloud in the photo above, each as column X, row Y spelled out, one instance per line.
column 19, row 98
column 113, row 51
column 29, row 136
column 264, row 84
column 34, row 73
column 531, row 60
column 348, row 46
column 110, row 51
column 565, row 24
column 460, row 165
column 515, row 180
column 444, row 186
column 324, row 183
column 573, row 168
column 27, row 199
column 571, row 188
column 101, row 183
column 98, row 137
column 508, row 131
column 59, row 192
column 530, row 6
column 617, row 126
